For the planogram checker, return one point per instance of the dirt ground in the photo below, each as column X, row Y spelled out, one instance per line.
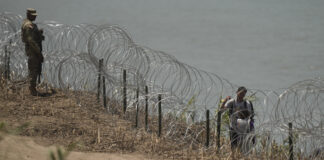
column 24, row 148
column 69, row 119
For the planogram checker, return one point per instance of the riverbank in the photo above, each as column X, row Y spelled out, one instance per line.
column 76, row 121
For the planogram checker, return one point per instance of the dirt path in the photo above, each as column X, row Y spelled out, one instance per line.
column 24, row 148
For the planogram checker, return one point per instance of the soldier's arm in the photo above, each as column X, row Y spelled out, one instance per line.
column 31, row 41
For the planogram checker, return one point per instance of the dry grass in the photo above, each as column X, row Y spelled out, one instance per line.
column 75, row 118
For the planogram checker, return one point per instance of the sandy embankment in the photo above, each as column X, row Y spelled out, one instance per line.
column 24, row 148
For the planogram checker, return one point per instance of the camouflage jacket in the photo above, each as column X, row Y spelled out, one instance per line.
column 32, row 37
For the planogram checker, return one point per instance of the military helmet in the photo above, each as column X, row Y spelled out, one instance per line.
column 31, row 11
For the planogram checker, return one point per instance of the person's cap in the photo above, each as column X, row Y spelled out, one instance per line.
column 31, row 11
column 241, row 89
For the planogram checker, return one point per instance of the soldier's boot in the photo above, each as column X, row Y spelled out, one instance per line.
column 33, row 91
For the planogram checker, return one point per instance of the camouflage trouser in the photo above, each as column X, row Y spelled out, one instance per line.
column 34, row 70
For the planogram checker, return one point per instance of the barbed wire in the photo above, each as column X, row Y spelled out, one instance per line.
column 72, row 54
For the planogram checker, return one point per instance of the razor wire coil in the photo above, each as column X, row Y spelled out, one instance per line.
column 72, row 53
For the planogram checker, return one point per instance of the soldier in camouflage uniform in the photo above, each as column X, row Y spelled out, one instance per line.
column 32, row 37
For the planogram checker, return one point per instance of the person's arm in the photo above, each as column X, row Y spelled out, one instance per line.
column 31, row 42
column 223, row 107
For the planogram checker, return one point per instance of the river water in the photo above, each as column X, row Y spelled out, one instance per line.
column 262, row 44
